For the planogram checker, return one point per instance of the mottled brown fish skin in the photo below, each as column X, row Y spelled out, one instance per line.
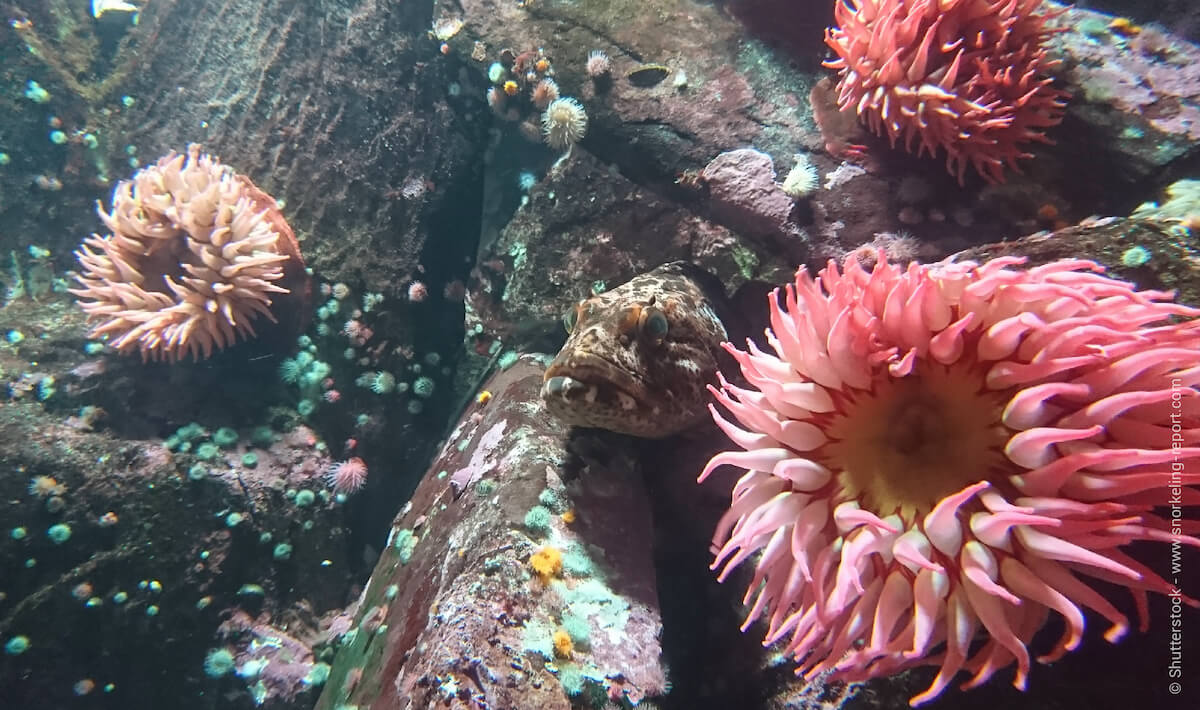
column 622, row 370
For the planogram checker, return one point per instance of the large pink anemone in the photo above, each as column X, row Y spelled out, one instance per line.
column 967, row 77
column 937, row 457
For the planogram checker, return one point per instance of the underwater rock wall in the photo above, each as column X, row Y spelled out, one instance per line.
column 345, row 113
column 144, row 565
column 334, row 108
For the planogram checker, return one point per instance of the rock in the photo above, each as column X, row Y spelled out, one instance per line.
column 1137, row 96
column 519, row 575
column 583, row 230
column 1146, row 252
column 743, row 191
column 164, row 537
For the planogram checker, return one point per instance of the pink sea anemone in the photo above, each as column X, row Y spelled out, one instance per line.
column 346, row 477
column 598, row 64
column 937, row 457
column 964, row 76
column 418, row 291
column 543, row 93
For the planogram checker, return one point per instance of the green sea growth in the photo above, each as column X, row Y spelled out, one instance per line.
column 251, row 590
column 577, row 562
column 45, row 388
column 225, row 437
column 305, row 371
column 519, row 254
column 1135, row 256
column 538, row 637
column 317, row 675
column 1182, row 205
column 185, row 437
column 262, row 436
column 17, row 645
column 31, row 276
column 746, row 260
column 577, row 680
column 578, row 629
column 507, row 359
column 423, row 387
column 218, row 662
column 59, row 533
column 554, row 500
column 608, row 611
column 405, row 543
column 208, row 451
column 67, row 40
column 537, row 520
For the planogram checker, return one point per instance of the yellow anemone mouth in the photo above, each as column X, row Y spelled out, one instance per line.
column 909, row 442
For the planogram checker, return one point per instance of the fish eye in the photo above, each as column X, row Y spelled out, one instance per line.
column 654, row 324
column 571, row 318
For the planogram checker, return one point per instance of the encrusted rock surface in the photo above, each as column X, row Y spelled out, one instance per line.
column 166, row 545
column 584, row 230
column 1135, row 101
column 458, row 613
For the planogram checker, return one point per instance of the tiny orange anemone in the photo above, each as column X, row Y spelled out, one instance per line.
column 547, row 562
column 562, row 644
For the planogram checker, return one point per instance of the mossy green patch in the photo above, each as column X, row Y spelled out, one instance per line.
column 405, row 543
column 225, row 437
column 537, row 520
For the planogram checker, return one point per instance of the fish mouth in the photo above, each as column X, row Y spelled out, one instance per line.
column 566, row 389
column 560, row 392
column 578, row 403
column 569, row 383
column 585, row 394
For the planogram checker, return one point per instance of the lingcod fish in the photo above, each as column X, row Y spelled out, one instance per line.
column 639, row 357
